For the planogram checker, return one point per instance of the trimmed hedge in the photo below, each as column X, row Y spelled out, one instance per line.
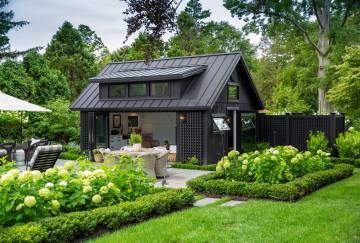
column 180, row 165
column 215, row 184
column 350, row 161
column 70, row 226
column 69, row 156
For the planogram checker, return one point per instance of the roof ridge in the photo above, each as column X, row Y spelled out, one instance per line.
column 169, row 58
column 157, row 68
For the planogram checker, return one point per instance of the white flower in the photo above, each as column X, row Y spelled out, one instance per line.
column 63, row 173
column 44, row 192
column 299, row 156
column 69, row 165
column 63, row 183
column 273, row 158
column 7, row 179
column 257, row 160
column 86, row 182
column 245, row 162
column 111, row 185
column 29, row 201
column 294, row 160
column 256, row 152
column 351, row 129
column 226, row 164
column 244, row 167
column 25, row 176
column 99, row 173
column 14, row 172
column 275, row 152
column 319, row 152
column 55, row 204
column 96, row 199
column 36, row 175
column 104, row 190
column 327, row 154
column 50, row 172
column 49, row 184
column 219, row 169
column 86, row 174
column 307, row 153
column 87, row 189
column 19, row 207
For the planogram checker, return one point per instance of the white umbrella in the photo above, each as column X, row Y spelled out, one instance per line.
column 10, row 103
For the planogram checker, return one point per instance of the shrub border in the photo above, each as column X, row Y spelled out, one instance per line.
column 350, row 161
column 70, row 226
column 188, row 166
column 215, row 184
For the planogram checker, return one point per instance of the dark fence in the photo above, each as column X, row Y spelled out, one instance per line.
column 294, row 129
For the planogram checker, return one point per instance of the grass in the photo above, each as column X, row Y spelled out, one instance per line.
column 331, row 214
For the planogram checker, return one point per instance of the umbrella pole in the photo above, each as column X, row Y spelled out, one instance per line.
column 21, row 124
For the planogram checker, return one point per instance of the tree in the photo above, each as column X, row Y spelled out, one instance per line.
column 69, row 53
column 93, row 41
column 331, row 17
column 345, row 92
column 7, row 24
column 153, row 17
column 194, row 9
column 47, row 83
column 14, row 80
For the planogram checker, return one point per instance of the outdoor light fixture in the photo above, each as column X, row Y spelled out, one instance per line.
column 183, row 117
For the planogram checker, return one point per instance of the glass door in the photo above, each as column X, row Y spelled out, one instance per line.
column 101, row 130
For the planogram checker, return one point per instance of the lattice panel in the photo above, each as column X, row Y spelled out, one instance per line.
column 84, row 131
column 191, row 136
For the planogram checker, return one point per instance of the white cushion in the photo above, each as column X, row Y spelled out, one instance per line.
column 3, row 152
column 172, row 149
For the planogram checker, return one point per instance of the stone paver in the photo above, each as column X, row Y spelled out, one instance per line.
column 232, row 203
column 205, row 201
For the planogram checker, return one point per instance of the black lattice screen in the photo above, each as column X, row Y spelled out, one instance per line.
column 84, row 131
column 191, row 136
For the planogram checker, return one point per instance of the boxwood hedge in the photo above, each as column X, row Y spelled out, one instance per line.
column 180, row 165
column 351, row 161
column 214, row 184
column 70, row 226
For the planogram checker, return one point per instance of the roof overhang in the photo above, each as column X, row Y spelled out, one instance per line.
column 150, row 74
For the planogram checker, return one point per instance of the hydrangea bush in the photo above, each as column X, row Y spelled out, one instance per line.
column 25, row 196
column 275, row 165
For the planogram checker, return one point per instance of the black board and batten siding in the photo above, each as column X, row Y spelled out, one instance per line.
column 294, row 129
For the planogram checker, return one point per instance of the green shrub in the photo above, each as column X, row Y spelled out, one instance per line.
column 348, row 144
column 317, row 141
column 67, row 227
column 215, row 183
column 350, row 161
column 135, row 138
column 69, row 156
column 180, row 165
column 262, row 146
column 194, row 160
column 27, row 195
column 275, row 165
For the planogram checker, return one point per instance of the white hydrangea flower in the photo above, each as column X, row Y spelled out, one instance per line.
column 111, row 185
column 275, row 152
column 307, row 153
column 99, row 173
column 86, row 182
column 63, row 173
column 69, row 165
column 50, row 172
column 14, row 172
column 104, row 189
column 327, row 154
column 87, row 189
column 294, row 160
column 299, row 156
column 49, row 184
column 244, row 167
column 44, row 192
column 226, row 164
column 319, row 152
column 245, row 162
column 30, row 201
column 96, row 199
column 36, row 175
column 19, row 207
column 86, row 174
column 273, row 158
column 63, row 183
column 7, row 179
column 25, row 176
column 257, row 160
column 55, row 204
column 256, row 152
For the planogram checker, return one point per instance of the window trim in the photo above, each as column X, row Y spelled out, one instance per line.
column 121, row 97
column 159, row 82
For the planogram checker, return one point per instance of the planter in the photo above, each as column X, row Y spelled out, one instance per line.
column 98, row 158
column 137, row 147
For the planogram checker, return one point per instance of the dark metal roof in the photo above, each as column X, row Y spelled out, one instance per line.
column 201, row 94
column 149, row 74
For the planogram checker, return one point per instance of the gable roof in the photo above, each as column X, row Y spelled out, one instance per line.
column 201, row 94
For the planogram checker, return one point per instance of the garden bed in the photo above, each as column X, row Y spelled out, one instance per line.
column 70, row 226
column 215, row 183
column 189, row 166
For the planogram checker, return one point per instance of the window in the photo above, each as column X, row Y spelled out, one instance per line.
column 137, row 90
column 159, row 89
column 117, row 90
column 248, row 131
column 133, row 121
column 233, row 92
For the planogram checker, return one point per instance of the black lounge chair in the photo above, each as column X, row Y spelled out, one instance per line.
column 44, row 157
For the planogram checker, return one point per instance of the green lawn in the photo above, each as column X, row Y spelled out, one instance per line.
column 331, row 214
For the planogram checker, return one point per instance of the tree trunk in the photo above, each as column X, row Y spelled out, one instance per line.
column 322, row 54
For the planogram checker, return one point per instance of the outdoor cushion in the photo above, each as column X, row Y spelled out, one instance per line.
column 49, row 148
column 3, row 152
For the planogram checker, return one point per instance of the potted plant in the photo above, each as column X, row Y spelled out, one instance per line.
column 135, row 141
column 97, row 156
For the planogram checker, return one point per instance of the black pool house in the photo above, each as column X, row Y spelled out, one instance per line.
column 201, row 105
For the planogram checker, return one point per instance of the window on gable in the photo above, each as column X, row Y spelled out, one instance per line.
column 233, row 92
column 159, row 89
column 117, row 90
column 137, row 90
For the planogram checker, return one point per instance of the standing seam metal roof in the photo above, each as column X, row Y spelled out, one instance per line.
column 201, row 94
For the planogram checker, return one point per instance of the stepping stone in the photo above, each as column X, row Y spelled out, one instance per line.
column 232, row 203
column 205, row 201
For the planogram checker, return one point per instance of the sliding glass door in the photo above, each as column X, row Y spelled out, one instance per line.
column 101, row 130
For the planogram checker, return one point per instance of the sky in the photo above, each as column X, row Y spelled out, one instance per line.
column 105, row 17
